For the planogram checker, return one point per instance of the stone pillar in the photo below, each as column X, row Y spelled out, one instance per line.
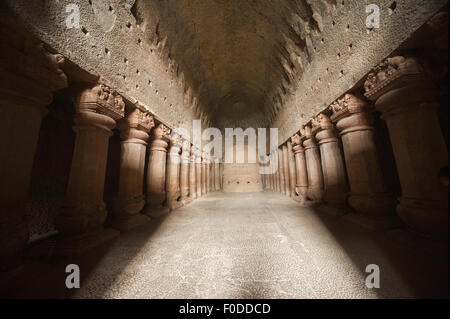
column 24, row 96
column 407, row 99
column 198, row 171
column 173, row 177
column 204, row 176
column 80, row 224
column 333, row 169
column 184, row 170
column 300, row 168
column 130, row 201
column 287, row 181
column 313, row 165
column 208, row 174
column 292, row 174
column 277, row 173
column 192, row 174
column 156, row 171
column 217, row 174
column 281, row 176
column 368, row 196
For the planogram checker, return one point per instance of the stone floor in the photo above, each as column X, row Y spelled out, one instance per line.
column 254, row 245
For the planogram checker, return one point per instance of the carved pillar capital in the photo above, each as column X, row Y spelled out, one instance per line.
column 351, row 113
column 204, row 157
column 29, row 72
column 185, row 151
column 161, row 138
column 101, row 99
column 135, row 126
column 323, row 129
column 162, row 132
column 399, row 84
column 193, row 156
column 297, row 146
column 175, row 143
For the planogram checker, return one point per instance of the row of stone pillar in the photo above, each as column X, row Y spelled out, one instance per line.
column 174, row 176
column 334, row 159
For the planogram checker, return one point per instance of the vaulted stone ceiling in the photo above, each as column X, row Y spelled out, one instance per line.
column 239, row 57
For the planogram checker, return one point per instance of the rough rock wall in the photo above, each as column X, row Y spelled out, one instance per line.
column 110, row 44
column 344, row 50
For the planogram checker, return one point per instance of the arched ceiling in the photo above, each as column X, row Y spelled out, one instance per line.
column 240, row 58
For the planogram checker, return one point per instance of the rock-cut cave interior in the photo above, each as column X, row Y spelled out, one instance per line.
column 226, row 149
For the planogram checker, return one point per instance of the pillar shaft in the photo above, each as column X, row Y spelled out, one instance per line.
column 333, row 169
column 156, row 171
column 287, row 181
column 208, row 174
column 217, row 174
column 292, row 173
column 198, row 172
column 313, row 166
column 130, row 200
column 173, row 171
column 300, row 167
column 184, row 170
column 281, row 176
column 192, row 174
column 406, row 98
column 204, row 176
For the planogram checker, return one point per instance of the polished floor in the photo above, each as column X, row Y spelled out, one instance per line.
column 256, row 245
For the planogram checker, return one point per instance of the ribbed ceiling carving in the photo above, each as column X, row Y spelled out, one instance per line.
column 240, row 58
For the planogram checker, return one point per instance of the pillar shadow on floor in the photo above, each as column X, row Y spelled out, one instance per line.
column 421, row 264
column 44, row 277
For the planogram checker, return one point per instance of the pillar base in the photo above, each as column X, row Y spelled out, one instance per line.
column 186, row 201
column 376, row 206
column 428, row 219
column 73, row 246
column 156, row 212
column 175, row 205
column 127, row 223
column 377, row 224
column 335, row 211
column 304, row 202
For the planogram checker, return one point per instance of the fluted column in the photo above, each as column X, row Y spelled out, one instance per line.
column 156, row 171
column 217, row 174
column 374, row 207
column 130, row 201
column 80, row 224
column 300, row 168
column 313, row 165
column 184, row 170
column 287, row 181
column 204, row 176
column 198, row 171
column 333, row 169
column 24, row 96
column 407, row 99
column 173, row 170
column 192, row 174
